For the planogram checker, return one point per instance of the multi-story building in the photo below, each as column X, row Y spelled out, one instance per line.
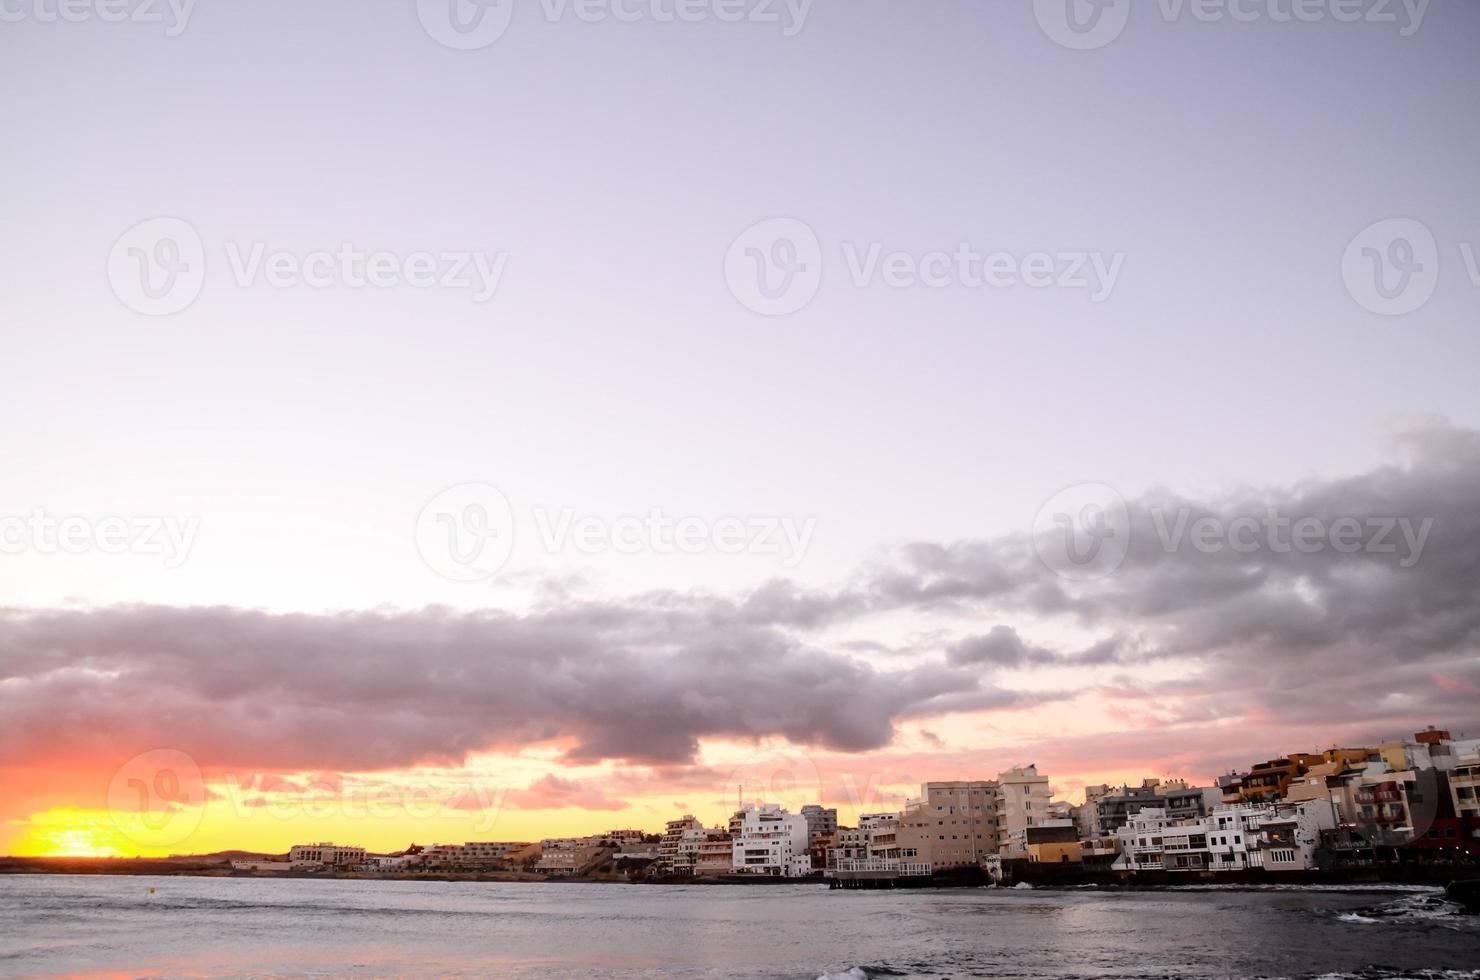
column 1182, row 802
column 1023, row 801
column 1267, row 781
column 1464, row 787
column 1185, row 802
column 820, row 821
column 1086, row 816
column 625, row 835
column 1099, row 852
column 484, row 854
column 1383, row 805
column 326, row 855
column 881, row 832
column 716, row 854
column 1236, row 838
column 951, row 824
column 849, row 844
column 678, row 850
column 567, row 857
column 771, row 842
column 1114, row 810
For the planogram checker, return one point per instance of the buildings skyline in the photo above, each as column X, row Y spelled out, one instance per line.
column 1388, row 794
column 1405, row 801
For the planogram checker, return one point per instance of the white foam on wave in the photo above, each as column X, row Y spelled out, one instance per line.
column 852, row 973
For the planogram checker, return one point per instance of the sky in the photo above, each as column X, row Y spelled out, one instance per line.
column 428, row 420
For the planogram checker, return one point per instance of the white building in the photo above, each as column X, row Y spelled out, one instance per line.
column 881, row 834
column 324, row 855
column 1274, row 836
column 771, row 841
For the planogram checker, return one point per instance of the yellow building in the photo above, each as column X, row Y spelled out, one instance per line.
column 1056, row 852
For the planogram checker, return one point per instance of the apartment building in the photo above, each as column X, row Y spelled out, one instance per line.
column 771, row 841
column 567, row 857
column 1023, row 801
column 1270, row 836
column 484, row 854
column 1115, row 809
column 951, row 824
column 1383, row 805
column 1086, row 816
column 678, row 849
column 326, row 854
column 881, row 832
column 1464, row 787
column 821, row 821
column 849, row 844
column 716, row 854
column 1268, row 780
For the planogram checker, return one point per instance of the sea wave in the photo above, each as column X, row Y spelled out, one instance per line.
column 1412, row 908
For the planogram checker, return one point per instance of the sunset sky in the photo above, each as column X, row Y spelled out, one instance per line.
column 284, row 645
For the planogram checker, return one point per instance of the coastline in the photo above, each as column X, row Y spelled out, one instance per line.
column 1377, row 879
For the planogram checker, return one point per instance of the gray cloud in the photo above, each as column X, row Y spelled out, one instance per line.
column 1326, row 635
column 641, row 682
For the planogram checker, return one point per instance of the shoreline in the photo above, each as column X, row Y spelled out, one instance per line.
column 1368, row 879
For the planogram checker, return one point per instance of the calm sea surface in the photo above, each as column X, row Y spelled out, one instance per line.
column 246, row 926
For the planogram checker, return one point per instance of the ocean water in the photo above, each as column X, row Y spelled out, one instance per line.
column 103, row 925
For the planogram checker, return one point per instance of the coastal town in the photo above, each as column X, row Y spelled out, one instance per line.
column 1407, row 804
